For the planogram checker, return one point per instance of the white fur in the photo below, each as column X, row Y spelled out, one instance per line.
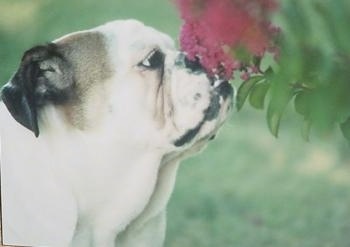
column 109, row 185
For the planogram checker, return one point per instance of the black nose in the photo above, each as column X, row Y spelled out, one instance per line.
column 193, row 65
column 225, row 89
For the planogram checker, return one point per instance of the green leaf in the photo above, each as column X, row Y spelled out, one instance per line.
column 269, row 71
column 273, row 121
column 244, row 89
column 281, row 94
column 258, row 94
column 301, row 103
column 296, row 18
column 242, row 54
column 345, row 128
column 306, row 129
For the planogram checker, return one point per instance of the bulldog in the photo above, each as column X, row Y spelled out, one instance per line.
column 93, row 127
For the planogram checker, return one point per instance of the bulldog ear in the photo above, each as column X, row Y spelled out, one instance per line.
column 44, row 77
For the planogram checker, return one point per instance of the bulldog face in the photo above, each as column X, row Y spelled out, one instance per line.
column 123, row 79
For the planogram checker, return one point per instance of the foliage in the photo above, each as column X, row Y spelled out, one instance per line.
column 313, row 71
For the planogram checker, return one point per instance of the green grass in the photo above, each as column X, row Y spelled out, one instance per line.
column 247, row 189
column 251, row 190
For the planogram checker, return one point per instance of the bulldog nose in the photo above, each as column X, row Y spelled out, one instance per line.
column 226, row 90
column 193, row 65
column 223, row 88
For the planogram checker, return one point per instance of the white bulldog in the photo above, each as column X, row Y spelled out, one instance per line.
column 93, row 126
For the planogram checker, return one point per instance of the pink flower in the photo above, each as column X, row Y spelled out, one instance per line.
column 245, row 76
column 217, row 31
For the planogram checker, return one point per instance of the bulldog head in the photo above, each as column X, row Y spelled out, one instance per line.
column 122, row 79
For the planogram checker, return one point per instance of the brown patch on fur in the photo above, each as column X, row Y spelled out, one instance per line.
column 87, row 54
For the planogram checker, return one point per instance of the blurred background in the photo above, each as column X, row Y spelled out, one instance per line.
column 247, row 189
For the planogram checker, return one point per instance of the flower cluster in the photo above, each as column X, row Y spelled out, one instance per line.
column 226, row 34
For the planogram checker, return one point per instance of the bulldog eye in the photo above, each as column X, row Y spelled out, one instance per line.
column 154, row 60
